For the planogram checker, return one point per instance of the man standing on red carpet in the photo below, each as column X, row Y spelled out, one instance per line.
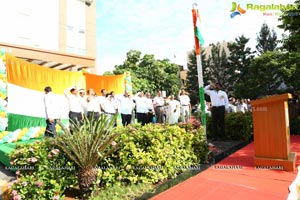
column 220, row 103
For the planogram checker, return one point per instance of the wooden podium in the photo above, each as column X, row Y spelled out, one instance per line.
column 272, row 133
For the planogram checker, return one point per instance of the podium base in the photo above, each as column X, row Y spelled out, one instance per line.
column 276, row 164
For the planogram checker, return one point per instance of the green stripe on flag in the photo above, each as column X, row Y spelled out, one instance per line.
column 199, row 36
column 16, row 121
column 202, row 105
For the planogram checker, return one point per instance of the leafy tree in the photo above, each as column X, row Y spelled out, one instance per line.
column 192, row 85
column 108, row 73
column 266, row 39
column 87, row 146
column 290, row 71
column 265, row 75
column 239, row 60
column 217, row 66
column 149, row 74
column 290, row 20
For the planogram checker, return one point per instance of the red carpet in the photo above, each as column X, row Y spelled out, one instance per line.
column 240, row 182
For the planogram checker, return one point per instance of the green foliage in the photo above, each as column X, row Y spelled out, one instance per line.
column 152, row 153
column 89, row 143
column 238, row 126
column 290, row 70
column 86, row 146
column 43, row 172
column 264, row 75
column 239, row 60
column 266, row 39
column 290, row 20
column 124, row 192
column 217, row 66
column 192, row 85
column 149, row 74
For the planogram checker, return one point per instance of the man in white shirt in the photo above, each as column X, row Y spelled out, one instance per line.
column 219, row 103
column 52, row 111
column 126, row 107
column 75, row 106
column 185, row 106
column 92, row 106
column 150, row 106
column 83, row 100
column 141, row 108
column 102, row 99
column 158, row 103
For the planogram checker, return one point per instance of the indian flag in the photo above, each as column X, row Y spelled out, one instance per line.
column 25, row 89
column 197, row 29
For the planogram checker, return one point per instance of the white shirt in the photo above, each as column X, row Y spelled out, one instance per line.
column 83, row 103
column 110, row 105
column 141, row 104
column 184, row 100
column 101, row 101
column 232, row 108
column 217, row 98
column 158, row 101
column 74, row 102
column 126, row 104
column 150, row 104
column 92, row 105
column 51, row 106
column 241, row 107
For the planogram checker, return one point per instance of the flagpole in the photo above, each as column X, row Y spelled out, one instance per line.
column 199, row 68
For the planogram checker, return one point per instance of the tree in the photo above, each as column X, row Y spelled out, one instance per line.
column 217, row 66
column 192, row 85
column 86, row 146
column 149, row 74
column 266, row 39
column 239, row 60
column 265, row 75
column 290, row 20
column 290, row 70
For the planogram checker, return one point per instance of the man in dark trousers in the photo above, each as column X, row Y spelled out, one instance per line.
column 52, row 112
column 220, row 103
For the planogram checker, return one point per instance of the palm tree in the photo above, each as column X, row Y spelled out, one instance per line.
column 87, row 145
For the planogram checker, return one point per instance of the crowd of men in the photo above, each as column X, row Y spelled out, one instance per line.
column 140, row 107
column 234, row 105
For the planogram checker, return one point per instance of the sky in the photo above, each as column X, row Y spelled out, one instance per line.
column 164, row 28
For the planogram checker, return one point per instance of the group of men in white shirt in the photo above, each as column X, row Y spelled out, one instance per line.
column 147, row 110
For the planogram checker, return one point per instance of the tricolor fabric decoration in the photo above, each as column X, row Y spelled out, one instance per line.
column 128, row 83
column 22, row 115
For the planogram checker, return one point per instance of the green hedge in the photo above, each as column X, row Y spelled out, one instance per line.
column 238, row 126
column 153, row 153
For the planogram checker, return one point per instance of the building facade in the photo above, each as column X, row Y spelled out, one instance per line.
column 64, row 28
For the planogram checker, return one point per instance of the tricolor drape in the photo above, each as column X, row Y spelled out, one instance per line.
column 25, row 83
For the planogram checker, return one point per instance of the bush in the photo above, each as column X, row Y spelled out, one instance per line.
column 295, row 126
column 124, row 192
column 153, row 153
column 238, row 126
column 43, row 172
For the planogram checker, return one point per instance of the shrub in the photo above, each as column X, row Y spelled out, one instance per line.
column 43, row 172
column 86, row 146
column 295, row 126
column 152, row 153
column 124, row 192
column 238, row 126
